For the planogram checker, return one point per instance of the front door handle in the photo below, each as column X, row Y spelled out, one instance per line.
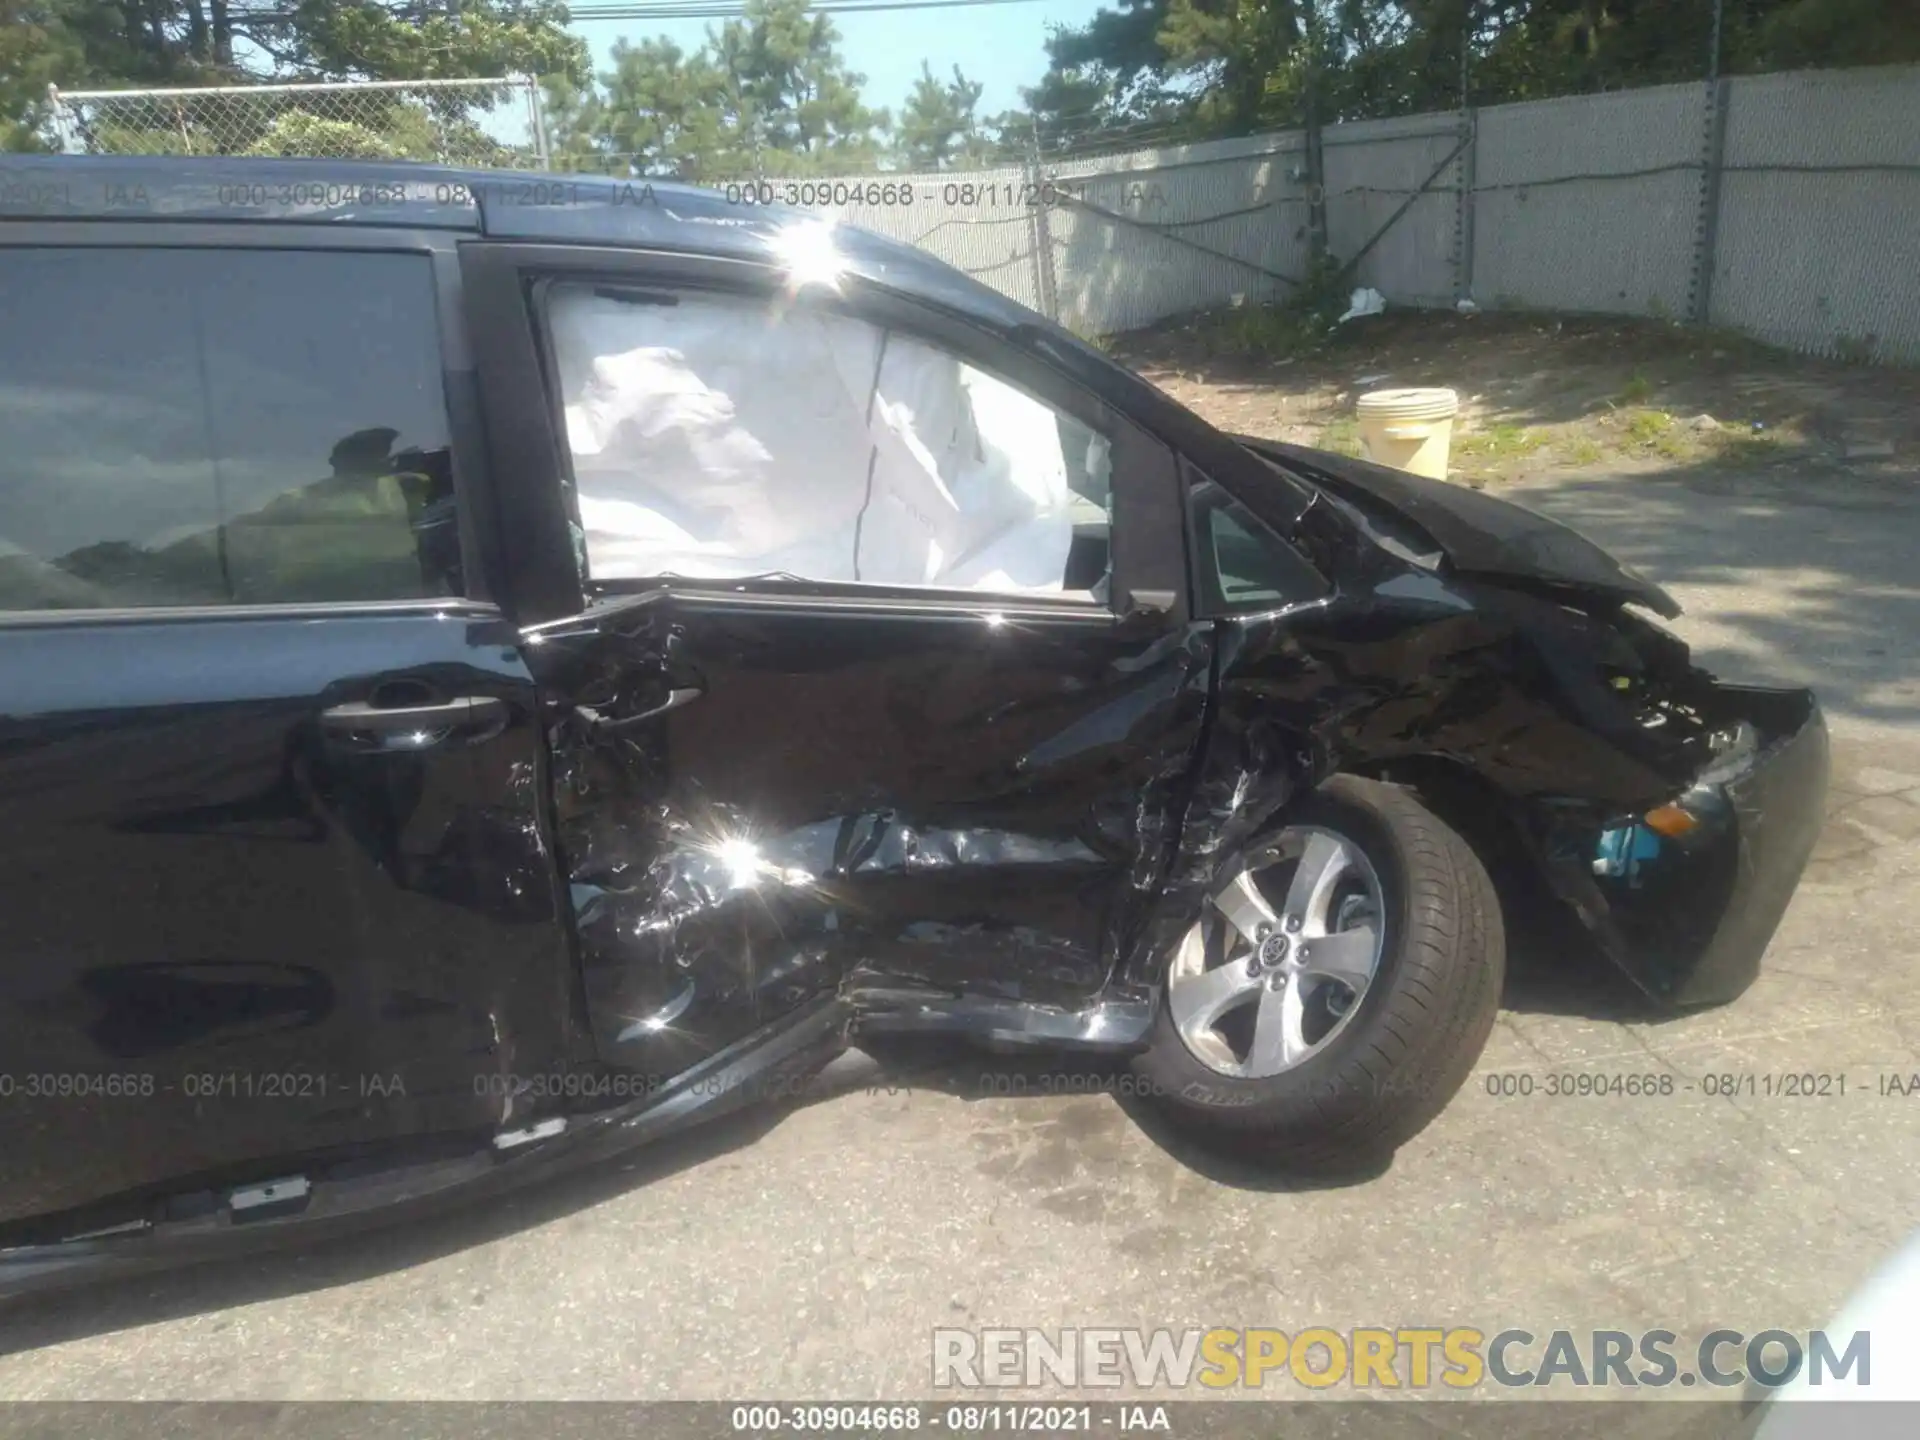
column 598, row 724
column 413, row 726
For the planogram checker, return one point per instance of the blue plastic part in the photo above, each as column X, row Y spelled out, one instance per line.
column 1624, row 850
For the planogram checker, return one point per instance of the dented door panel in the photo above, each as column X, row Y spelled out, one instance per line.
column 920, row 792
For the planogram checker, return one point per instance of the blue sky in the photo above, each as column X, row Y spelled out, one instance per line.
column 998, row 45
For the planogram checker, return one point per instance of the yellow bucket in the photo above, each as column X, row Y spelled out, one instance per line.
column 1409, row 429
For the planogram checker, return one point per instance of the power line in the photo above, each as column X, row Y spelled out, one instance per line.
column 655, row 10
column 730, row 9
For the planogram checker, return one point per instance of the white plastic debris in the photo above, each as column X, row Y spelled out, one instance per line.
column 1366, row 301
column 1467, row 307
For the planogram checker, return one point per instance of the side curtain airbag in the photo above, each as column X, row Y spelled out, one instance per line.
column 717, row 437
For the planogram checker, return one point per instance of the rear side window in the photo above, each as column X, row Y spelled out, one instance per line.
column 199, row 427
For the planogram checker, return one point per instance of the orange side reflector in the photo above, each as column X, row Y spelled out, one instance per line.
column 1670, row 821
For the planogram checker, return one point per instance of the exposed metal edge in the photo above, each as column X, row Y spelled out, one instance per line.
column 764, row 1066
column 1118, row 1026
column 450, row 609
column 526, row 1135
column 284, row 1191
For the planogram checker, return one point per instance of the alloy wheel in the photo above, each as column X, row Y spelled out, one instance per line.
column 1280, row 960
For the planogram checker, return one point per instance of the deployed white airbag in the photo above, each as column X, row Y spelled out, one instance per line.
column 713, row 437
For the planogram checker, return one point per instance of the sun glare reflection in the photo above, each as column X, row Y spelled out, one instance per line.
column 807, row 252
column 741, row 857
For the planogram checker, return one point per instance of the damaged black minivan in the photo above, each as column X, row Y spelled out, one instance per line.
column 499, row 668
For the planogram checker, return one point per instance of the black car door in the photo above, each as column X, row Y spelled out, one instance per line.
column 270, row 777
column 776, row 776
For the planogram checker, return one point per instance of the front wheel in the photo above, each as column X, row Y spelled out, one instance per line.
column 1339, row 986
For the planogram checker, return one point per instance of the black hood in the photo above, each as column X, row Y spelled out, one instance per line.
column 1476, row 533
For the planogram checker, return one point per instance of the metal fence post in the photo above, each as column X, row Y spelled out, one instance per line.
column 1038, row 192
column 1463, row 210
column 1713, row 151
column 1469, row 165
column 537, row 122
column 1316, row 157
column 57, row 116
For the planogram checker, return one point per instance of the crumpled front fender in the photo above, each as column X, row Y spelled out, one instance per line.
column 1688, row 917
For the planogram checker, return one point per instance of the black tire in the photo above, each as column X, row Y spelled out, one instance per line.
column 1419, row 1028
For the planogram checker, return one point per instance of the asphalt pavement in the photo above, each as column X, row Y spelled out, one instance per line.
column 811, row 1253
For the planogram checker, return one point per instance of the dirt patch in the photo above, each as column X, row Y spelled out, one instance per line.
column 1545, row 393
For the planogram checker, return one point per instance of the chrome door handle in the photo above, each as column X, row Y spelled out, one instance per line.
column 599, row 724
column 413, row 727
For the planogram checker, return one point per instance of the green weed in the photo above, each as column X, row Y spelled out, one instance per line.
column 1499, row 442
column 1645, row 427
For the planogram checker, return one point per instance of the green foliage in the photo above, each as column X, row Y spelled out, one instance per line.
column 1646, row 427
column 1089, row 336
column 473, row 38
column 767, row 94
column 1498, row 442
column 103, row 44
column 1856, row 349
column 1108, row 82
column 404, row 132
column 572, row 113
column 791, row 94
column 143, row 140
column 296, row 133
column 1800, row 33
column 663, row 112
column 1322, row 296
column 35, row 48
column 1342, row 437
column 1263, row 332
column 1172, row 70
column 1248, row 55
column 938, row 129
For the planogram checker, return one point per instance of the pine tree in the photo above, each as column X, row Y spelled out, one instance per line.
column 938, row 129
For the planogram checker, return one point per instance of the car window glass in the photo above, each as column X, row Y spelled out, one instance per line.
column 221, row 427
column 719, row 437
column 1239, row 563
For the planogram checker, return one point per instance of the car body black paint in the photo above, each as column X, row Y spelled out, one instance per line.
column 809, row 821
column 1478, row 534
column 884, row 808
column 245, row 917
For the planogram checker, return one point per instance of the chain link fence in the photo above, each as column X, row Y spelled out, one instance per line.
column 1780, row 205
column 1815, row 189
column 451, row 122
